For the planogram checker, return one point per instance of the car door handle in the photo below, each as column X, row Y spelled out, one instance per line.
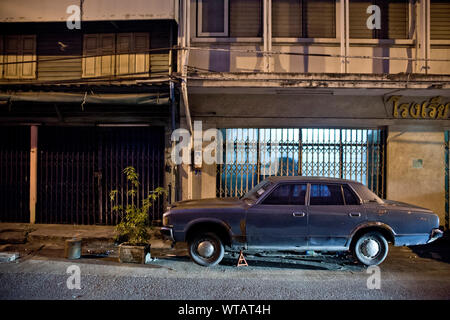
column 298, row 214
column 354, row 214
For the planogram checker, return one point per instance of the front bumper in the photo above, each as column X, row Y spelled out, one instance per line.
column 435, row 234
column 167, row 233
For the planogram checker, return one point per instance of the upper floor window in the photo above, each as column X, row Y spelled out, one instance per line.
column 390, row 21
column 109, row 54
column 304, row 18
column 440, row 19
column 229, row 18
column 212, row 17
column 15, row 51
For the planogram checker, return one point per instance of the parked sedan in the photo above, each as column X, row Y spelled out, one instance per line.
column 299, row 214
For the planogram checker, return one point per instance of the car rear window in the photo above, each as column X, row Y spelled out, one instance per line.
column 326, row 195
column 350, row 197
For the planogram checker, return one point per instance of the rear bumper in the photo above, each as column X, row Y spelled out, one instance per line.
column 435, row 234
column 167, row 233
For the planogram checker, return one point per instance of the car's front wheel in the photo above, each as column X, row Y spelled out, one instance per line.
column 371, row 248
column 206, row 249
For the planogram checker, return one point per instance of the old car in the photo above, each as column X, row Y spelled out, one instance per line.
column 299, row 214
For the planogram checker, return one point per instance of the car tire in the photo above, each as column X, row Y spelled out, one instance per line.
column 371, row 248
column 206, row 249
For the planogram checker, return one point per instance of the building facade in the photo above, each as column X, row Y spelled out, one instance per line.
column 84, row 92
column 340, row 88
column 351, row 89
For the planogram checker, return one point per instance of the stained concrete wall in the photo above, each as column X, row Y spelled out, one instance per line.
column 423, row 186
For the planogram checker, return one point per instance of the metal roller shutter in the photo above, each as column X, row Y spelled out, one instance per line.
column 245, row 18
column 319, row 19
column 440, row 19
column 287, row 18
column 394, row 19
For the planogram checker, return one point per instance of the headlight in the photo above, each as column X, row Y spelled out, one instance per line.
column 165, row 219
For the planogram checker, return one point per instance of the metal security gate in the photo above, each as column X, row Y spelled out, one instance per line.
column 14, row 173
column 251, row 155
column 79, row 166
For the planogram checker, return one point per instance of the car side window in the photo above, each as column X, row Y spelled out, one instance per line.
column 350, row 197
column 287, row 194
column 326, row 195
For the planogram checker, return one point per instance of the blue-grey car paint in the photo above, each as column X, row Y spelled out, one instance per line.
column 325, row 228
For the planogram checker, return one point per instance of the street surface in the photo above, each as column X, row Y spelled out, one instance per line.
column 421, row 273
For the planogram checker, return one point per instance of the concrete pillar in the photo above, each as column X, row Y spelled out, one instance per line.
column 33, row 172
column 416, row 169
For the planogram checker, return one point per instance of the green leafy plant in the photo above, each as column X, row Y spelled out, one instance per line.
column 132, row 228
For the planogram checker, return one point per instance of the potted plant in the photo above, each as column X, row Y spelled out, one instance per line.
column 132, row 232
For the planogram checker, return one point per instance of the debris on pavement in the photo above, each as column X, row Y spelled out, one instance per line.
column 9, row 257
column 149, row 259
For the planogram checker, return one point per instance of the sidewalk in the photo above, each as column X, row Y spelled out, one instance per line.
column 57, row 234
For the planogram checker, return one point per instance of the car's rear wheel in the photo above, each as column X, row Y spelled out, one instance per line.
column 371, row 248
column 206, row 249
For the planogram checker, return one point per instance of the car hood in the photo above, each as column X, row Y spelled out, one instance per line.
column 209, row 203
column 405, row 206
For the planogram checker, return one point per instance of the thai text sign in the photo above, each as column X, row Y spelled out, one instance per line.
column 432, row 108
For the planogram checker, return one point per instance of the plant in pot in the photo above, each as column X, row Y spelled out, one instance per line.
column 132, row 231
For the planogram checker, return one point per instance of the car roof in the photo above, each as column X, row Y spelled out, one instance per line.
column 309, row 179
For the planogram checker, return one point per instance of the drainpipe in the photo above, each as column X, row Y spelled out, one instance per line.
column 33, row 172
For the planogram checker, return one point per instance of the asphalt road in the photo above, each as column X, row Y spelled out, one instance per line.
column 421, row 273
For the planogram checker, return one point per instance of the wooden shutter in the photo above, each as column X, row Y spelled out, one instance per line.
column 1, row 56
column 17, row 50
column 28, row 54
column 245, row 18
column 142, row 55
column 440, row 19
column 107, row 54
column 99, row 55
column 132, row 54
column 287, row 18
column 319, row 18
column 358, row 19
column 124, row 56
column 90, row 51
column 12, row 55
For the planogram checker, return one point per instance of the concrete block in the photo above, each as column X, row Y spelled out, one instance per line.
column 15, row 237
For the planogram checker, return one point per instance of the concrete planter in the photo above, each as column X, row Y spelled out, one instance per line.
column 133, row 253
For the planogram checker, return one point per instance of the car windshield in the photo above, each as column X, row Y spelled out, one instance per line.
column 257, row 191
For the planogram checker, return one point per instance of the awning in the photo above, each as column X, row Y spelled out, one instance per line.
column 145, row 99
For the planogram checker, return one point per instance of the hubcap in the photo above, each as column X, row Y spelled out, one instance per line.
column 370, row 248
column 205, row 249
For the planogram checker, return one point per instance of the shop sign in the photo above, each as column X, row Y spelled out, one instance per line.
column 433, row 108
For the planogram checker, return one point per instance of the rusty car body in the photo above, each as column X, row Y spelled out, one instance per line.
column 299, row 214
